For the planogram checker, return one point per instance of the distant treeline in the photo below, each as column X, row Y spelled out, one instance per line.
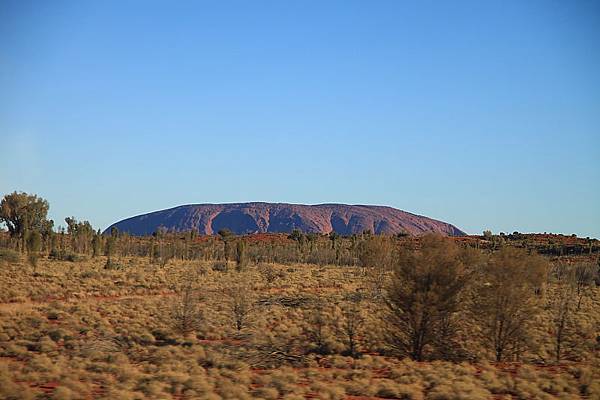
column 31, row 232
column 432, row 292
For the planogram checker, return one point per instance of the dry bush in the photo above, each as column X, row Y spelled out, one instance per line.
column 269, row 273
column 424, row 298
column 240, row 299
column 229, row 390
column 350, row 325
column 10, row 390
column 9, row 256
column 63, row 393
column 220, row 266
column 376, row 256
column 328, row 391
column 505, row 300
column 318, row 328
column 186, row 311
column 459, row 389
column 89, row 327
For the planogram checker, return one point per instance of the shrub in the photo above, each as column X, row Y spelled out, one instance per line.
column 328, row 391
column 220, row 266
column 229, row 390
column 62, row 393
column 359, row 387
column 9, row 256
column 267, row 393
column 63, row 255
column 56, row 334
column 387, row 389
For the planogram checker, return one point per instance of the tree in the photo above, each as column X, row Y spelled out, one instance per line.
column 96, row 244
column 584, row 275
column 296, row 235
column 186, row 312
column 22, row 212
column 561, row 306
column 240, row 302
column 569, row 285
column 317, row 328
column 81, row 233
column 334, row 237
column 351, row 323
column 241, row 256
column 225, row 233
column 423, row 298
column 109, row 249
column 375, row 256
column 505, row 300
column 33, row 244
column 376, row 251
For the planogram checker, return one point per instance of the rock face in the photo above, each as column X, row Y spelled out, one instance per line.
column 243, row 218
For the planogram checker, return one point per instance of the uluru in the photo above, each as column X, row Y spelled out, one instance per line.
column 260, row 217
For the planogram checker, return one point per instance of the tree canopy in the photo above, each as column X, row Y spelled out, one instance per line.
column 21, row 212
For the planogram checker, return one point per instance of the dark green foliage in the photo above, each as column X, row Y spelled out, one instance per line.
column 23, row 213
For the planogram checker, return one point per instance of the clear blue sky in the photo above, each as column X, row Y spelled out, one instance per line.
column 483, row 114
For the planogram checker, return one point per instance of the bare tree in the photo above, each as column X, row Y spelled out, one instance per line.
column 351, row 323
column 561, row 306
column 268, row 273
column 318, row 321
column 504, row 301
column 583, row 278
column 186, row 310
column 240, row 303
column 376, row 255
column 569, row 286
column 241, row 256
column 424, row 295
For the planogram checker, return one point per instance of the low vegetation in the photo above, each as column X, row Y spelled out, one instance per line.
column 276, row 317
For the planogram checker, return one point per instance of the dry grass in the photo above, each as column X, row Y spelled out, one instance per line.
column 74, row 330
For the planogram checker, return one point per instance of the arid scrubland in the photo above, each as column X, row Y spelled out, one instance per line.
column 175, row 315
column 138, row 328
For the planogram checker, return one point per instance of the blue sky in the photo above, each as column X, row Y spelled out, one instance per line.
column 482, row 114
